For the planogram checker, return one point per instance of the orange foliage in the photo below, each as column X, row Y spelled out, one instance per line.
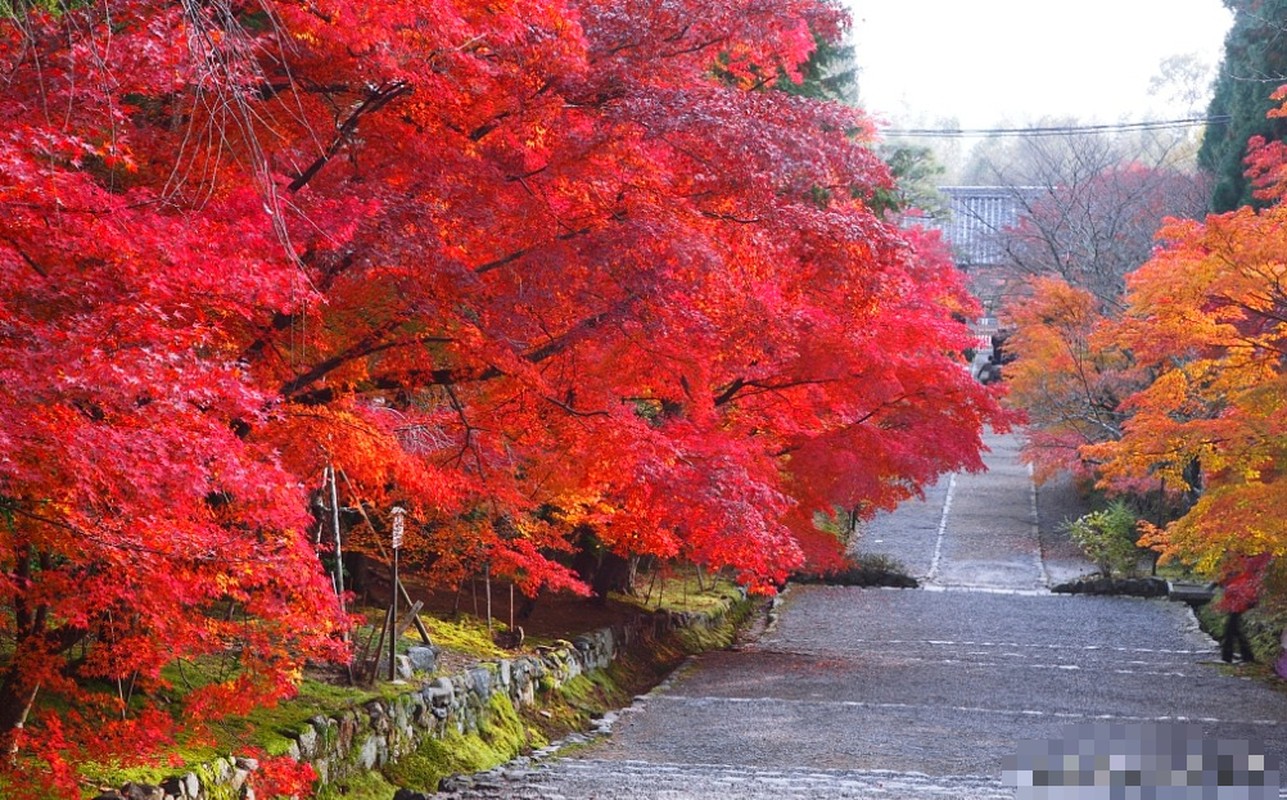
column 1068, row 376
column 1267, row 161
column 1208, row 318
column 1188, row 389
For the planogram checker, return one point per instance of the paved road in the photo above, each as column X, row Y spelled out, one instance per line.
column 889, row 693
column 993, row 529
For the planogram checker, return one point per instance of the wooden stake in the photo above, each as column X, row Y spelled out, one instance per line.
column 379, row 647
column 487, row 584
column 393, row 614
column 420, row 626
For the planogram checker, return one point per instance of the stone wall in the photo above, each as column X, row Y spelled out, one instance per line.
column 368, row 736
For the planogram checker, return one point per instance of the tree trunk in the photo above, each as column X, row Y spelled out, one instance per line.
column 15, row 705
column 632, row 576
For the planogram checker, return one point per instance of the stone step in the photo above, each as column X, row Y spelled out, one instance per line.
column 564, row 779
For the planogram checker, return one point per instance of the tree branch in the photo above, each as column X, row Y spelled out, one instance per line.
column 376, row 100
column 439, row 377
column 731, row 391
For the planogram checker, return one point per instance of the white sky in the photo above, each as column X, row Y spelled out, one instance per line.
column 987, row 62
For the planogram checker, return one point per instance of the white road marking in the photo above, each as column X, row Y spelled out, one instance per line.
column 937, row 708
column 1022, row 662
column 980, row 589
column 1036, row 528
column 942, row 529
column 1027, row 646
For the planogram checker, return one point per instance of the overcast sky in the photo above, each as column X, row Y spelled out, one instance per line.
column 987, row 62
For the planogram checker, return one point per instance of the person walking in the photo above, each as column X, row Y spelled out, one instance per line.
column 1233, row 632
column 1240, row 580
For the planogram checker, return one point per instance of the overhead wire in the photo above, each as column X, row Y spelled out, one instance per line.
column 1055, row 130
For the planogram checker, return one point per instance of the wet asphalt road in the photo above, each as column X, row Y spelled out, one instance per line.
column 919, row 693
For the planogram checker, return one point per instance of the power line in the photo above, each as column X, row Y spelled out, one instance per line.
column 1057, row 130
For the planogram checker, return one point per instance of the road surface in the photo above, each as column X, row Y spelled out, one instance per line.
column 897, row 693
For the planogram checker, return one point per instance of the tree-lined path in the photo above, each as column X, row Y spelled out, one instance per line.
column 919, row 693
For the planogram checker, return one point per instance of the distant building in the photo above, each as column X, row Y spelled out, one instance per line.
column 973, row 225
column 977, row 216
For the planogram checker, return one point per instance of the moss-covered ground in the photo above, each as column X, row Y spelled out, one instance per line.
column 680, row 590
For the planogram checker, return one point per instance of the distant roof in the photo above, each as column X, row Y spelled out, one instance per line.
column 976, row 216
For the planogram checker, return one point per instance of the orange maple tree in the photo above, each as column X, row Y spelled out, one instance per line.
column 522, row 267
column 1208, row 320
column 1091, row 218
column 1069, row 377
column 1192, row 377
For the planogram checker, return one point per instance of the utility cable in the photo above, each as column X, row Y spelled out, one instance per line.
column 1056, row 130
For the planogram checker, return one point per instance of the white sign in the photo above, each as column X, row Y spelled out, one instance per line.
column 398, row 525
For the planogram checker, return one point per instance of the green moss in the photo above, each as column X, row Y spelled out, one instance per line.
column 501, row 736
column 466, row 635
column 576, row 689
column 213, row 791
column 364, row 786
column 117, row 774
column 503, row 729
column 573, row 705
column 721, row 633
column 435, row 759
column 681, row 590
column 266, row 728
column 503, row 733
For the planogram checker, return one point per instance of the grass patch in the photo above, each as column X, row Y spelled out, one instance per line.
column 1263, row 631
column 466, row 635
column 1173, row 570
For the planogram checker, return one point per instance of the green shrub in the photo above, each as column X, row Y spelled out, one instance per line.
column 1108, row 538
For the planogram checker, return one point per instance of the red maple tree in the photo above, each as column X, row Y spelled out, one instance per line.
column 522, row 267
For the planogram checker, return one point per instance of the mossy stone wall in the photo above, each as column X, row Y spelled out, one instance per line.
column 380, row 732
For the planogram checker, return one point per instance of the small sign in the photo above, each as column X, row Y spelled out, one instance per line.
column 398, row 525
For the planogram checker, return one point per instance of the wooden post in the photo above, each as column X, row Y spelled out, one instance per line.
column 339, row 553
column 420, row 626
column 398, row 527
column 487, row 584
column 387, row 627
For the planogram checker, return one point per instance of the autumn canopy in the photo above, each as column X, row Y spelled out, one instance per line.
column 526, row 268
column 1174, row 387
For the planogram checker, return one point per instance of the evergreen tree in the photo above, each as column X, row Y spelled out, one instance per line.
column 829, row 74
column 1255, row 64
column 917, row 174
